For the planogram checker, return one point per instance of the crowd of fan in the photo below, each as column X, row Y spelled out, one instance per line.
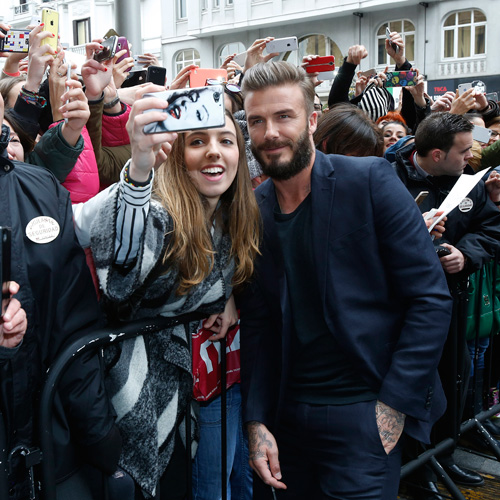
column 84, row 131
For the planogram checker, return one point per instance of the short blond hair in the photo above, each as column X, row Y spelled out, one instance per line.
column 278, row 74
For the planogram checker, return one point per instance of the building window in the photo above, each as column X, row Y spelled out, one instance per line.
column 464, row 34
column 216, row 4
column 204, row 5
column 181, row 9
column 185, row 58
column 81, row 31
column 320, row 45
column 229, row 3
column 407, row 31
column 230, row 48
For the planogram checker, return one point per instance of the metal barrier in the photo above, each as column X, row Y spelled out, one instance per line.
column 88, row 342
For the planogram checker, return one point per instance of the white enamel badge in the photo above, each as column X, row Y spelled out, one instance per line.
column 466, row 205
column 42, row 230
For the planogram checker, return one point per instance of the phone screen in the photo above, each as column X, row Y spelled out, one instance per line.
column 190, row 109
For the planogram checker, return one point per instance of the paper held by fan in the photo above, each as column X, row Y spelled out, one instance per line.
column 461, row 189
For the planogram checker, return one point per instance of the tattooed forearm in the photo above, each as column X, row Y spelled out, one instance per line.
column 390, row 423
column 258, row 440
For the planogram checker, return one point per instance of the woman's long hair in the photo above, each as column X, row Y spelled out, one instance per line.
column 190, row 247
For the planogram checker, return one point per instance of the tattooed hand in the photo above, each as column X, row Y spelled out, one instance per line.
column 390, row 423
column 263, row 455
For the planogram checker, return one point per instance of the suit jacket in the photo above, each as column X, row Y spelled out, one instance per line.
column 383, row 293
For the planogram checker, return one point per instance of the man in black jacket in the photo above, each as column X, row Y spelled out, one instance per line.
column 472, row 232
column 57, row 293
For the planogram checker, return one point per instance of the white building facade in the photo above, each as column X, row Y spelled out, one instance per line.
column 450, row 41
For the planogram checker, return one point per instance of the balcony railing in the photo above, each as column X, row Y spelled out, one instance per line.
column 461, row 67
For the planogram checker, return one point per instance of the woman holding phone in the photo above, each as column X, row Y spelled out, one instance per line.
column 170, row 242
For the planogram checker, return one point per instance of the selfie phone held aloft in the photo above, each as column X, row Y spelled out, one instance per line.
column 5, row 252
column 282, row 45
column 369, row 73
column 156, row 75
column 189, row 109
column 200, row 76
column 421, row 197
column 15, row 41
column 122, row 44
column 464, row 87
column 50, row 19
column 401, row 79
column 108, row 51
column 481, row 134
column 388, row 36
column 321, row 65
column 240, row 58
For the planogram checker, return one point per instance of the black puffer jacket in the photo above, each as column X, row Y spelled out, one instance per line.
column 57, row 294
column 476, row 233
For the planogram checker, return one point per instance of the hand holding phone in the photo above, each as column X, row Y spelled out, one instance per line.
column 401, row 79
column 108, row 50
column 393, row 45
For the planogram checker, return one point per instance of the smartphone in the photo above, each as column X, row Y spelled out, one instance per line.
column 240, row 58
column 5, row 250
column 388, row 36
column 282, row 45
column 369, row 73
column 108, row 51
column 138, row 65
column 481, row 134
column 421, row 197
column 50, row 19
column 401, row 79
column 122, row 45
column 200, row 76
column 190, row 109
column 442, row 251
column 15, row 41
column 463, row 87
column 156, row 75
column 321, row 64
column 135, row 78
column 492, row 96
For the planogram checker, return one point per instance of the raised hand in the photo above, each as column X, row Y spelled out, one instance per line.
column 145, row 147
column 255, row 53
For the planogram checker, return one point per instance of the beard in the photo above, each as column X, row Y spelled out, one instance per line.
column 283, row 170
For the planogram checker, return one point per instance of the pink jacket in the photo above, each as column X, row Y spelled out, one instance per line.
column 83, row 181
column 114, row 132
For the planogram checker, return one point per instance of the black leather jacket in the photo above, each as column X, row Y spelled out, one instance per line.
column 57, row 293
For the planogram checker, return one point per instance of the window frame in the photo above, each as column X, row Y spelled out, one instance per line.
column 185, row 62
column 455, row 29
column 181, row 6
column 220, row 60
column 86, row 21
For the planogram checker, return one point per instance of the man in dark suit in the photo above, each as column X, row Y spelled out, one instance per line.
column 344, row 322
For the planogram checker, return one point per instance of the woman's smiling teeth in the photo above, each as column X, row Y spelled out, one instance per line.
column 213, row 170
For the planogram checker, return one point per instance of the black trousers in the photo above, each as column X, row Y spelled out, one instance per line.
column 333, row 452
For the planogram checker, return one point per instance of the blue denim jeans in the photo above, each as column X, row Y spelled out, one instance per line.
column 207, row 462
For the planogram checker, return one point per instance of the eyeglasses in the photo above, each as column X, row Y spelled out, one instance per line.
column 318, row 107
column 494, row 133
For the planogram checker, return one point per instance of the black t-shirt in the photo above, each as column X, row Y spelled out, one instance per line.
column 321, row 373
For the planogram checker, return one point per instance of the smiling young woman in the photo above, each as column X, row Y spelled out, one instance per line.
column 184, row 236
